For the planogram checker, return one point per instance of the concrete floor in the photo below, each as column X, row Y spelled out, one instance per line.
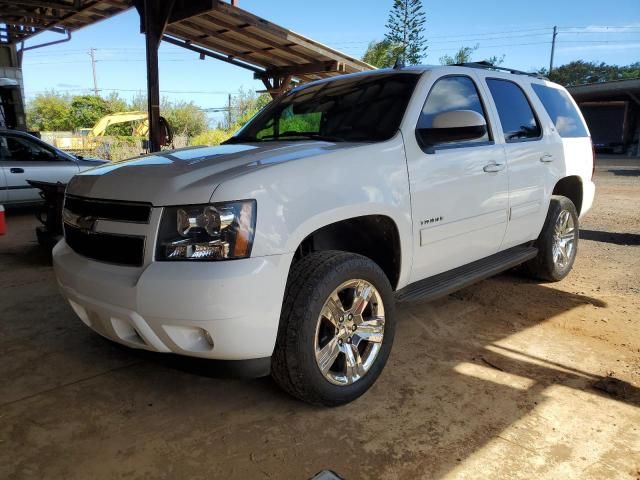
column 495, row 381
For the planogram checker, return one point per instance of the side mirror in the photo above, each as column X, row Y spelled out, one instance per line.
column 453, row 126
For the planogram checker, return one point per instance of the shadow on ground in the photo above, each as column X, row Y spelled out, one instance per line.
column 625, row 172
column 610, row 237
column 485, row 366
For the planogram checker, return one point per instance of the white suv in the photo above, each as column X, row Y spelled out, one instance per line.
column 288, row 246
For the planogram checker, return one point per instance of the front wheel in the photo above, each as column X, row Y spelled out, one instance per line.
column 557, row 243
column 336, row 328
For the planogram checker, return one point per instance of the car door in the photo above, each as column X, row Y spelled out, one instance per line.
column 528, row 153
column 23, row 158
column 459, row 189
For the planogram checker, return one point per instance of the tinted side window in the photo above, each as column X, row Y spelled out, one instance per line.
column 19, row 149
column 561, row 111
column 452, row 93
column 515, row 112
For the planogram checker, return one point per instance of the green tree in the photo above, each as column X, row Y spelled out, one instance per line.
column 461, row 56
column 86, row 110
column 405, row 27
column 49, row 112
column 464, row 56
column 185, row 118
column 244, row 105
column 115, row 103
column 382, row 54
column 138, row 102
column 579, row 72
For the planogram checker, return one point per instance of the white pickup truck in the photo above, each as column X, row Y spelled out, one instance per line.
column 288, row 247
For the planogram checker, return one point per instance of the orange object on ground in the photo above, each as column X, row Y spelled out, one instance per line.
column 3, row 225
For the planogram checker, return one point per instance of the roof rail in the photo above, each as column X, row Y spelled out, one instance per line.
column 490, row 66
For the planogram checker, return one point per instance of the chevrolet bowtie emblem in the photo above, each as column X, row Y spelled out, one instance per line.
column 86, row 223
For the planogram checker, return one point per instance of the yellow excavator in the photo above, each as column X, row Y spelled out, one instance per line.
column 87, row 138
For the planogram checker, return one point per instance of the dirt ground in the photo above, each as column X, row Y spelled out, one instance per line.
column 495, row 381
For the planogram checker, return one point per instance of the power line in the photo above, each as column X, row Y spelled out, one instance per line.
column 466, row 37
column 189, row 60
column 141, row 90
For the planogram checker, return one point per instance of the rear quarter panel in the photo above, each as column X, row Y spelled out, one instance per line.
column 576, row 152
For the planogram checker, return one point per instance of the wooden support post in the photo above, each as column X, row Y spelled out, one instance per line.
column 276, row 86
column 154, row 16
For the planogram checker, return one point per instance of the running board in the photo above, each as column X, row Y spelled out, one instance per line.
column 448, row 282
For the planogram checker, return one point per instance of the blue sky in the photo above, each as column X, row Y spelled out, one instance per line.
column 522, row 32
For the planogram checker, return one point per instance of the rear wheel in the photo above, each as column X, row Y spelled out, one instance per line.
column 336, row 328
column 557, row 243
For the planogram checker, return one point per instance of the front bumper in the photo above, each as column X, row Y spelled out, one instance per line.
column 226, row 310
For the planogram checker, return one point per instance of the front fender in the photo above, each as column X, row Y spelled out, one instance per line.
column 296, row 198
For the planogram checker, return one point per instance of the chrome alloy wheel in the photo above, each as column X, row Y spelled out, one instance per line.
column 564, row 241
column 349, row 332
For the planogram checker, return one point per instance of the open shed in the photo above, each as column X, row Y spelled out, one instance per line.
column 612, row 111
column 211, row 28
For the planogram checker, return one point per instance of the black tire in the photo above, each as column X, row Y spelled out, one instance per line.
column 311, row 281
column 543, row 266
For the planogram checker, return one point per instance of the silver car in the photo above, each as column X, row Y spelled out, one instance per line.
column 24, row 157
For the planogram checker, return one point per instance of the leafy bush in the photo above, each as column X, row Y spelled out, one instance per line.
column 211, row 137
column 49, row 111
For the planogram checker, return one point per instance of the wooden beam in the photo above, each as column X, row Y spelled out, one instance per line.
column 302, row 69
column 217, row 56
column 26, row 23
column 184, row 9
column 235, row 44
column 51, row 5
column 183, row 30
column 17, row 12
column 276, row 86
column 247, row 33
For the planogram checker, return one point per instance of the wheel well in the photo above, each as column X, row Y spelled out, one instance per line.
column 570, row 187
column 374, row 236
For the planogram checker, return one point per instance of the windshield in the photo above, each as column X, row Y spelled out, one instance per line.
column 363, row 108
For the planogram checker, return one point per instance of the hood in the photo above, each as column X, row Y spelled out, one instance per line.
column 189, row 175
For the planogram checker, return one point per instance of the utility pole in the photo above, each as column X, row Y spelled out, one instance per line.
column 92, row 54
column 553, row 47
column 229, row 112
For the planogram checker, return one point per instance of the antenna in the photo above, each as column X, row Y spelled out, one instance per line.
column 399, row 63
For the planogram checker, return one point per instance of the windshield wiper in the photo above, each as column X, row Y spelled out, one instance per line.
column 303, row 136
column 240, row 139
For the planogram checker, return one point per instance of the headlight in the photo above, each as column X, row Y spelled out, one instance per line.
column 217, row 231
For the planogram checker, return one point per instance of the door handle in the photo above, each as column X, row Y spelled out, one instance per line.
column 493, row 167
column 546, row 158
column 16, row 170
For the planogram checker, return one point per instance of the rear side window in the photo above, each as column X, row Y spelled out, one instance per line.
column 516, row 115
column 561, row 111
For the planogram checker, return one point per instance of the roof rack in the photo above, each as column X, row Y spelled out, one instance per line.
column 490, row 66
